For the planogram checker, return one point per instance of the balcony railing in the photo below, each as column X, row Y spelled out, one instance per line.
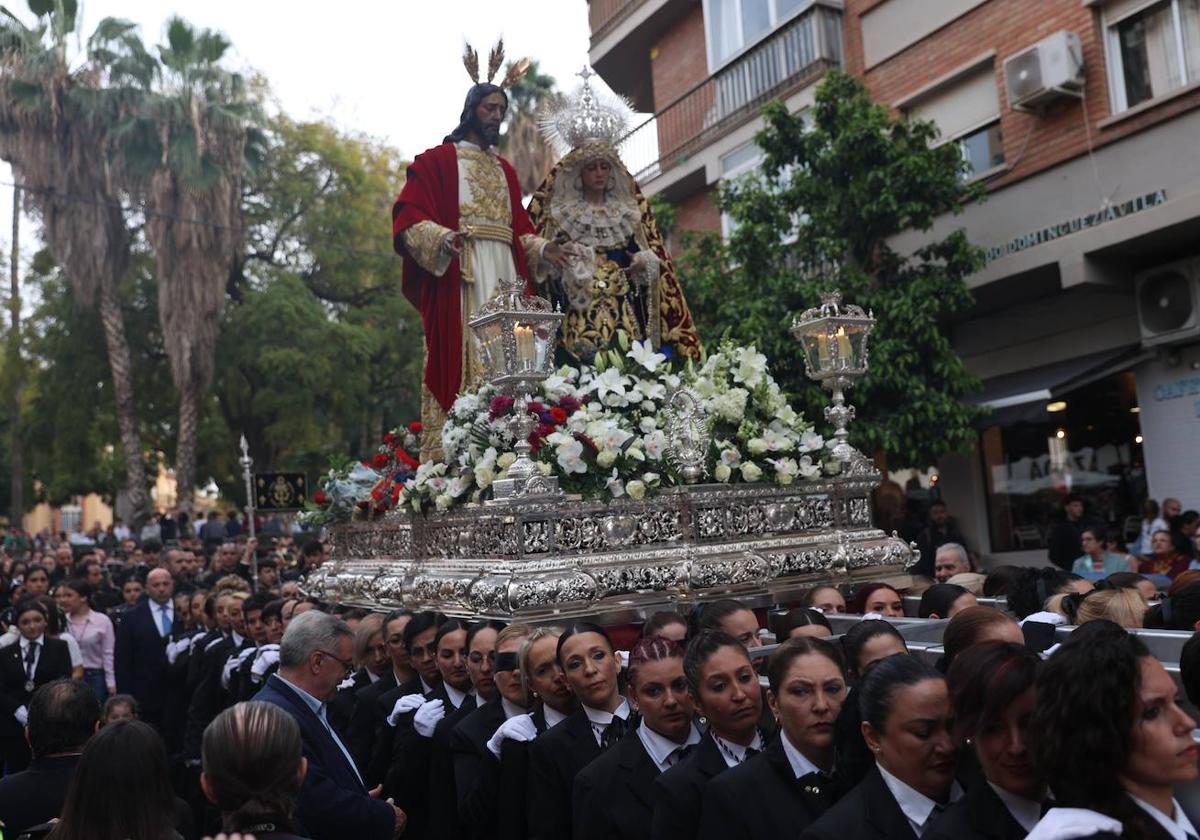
column 790, row 58
column 603, row 15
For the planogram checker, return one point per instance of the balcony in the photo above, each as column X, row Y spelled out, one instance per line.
column 604, row 15
column 623, row 33
column 787, row 60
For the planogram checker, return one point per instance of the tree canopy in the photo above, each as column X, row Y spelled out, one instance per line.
column 835, row 188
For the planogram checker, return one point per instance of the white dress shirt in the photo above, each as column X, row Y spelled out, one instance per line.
column 511, row 709
column 37, row 654
column 735, row 754
column 456, row 697
column 553, row 716
column 1179, row 826
column 801, row 766
column 1024, row 811
column 918, row 808
column 158, row 611
column 664, row 752
column 601, row 719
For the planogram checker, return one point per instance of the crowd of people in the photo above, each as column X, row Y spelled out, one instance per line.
column 232, row 703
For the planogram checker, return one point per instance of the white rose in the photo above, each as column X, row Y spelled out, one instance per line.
column 651, row 479
column 648, row 405
column 751, row 471
column 606, row 458
column 648, row 425
column 442, row 501
column 636, row 489
column 545, row 469
column 756, row 445
column 722, row 472
column 506, row 460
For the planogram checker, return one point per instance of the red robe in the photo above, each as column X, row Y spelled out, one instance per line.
column 431, row 194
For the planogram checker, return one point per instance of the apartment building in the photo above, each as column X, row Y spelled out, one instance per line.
column 1081, row 118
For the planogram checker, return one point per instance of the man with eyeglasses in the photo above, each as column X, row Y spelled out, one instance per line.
column 315, row 655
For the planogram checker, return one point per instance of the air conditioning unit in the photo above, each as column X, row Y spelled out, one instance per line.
column 1168, row 302
column 1050, row 69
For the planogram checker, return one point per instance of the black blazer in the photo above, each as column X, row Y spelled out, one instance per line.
column 555, row 758
column 869, row 812
column 35, row 795
column 613, row 797
column 443, row 792
column 340, row 707
column 140, row 660
column 382, row 737
column 512, row 796
column 679, row 792
column 476, row 770
column 366, row 724
column 980, row 815
column 763, row 798
column 54, row 662
column 333, row 804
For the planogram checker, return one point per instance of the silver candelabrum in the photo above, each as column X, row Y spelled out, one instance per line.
column 833, row 338
column 516, row 336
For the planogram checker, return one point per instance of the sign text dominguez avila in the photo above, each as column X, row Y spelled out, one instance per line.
column 1069, row 226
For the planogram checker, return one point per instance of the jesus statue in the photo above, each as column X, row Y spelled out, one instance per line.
column 461, row 229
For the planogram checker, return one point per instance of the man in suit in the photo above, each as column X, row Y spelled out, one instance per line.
column 62, row 715
column 314, row 657
column 140, row 655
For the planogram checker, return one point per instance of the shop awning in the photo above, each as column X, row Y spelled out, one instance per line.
column 1048, row 381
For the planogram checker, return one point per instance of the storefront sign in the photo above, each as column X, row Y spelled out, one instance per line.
column 1069, row 226
column 1189, row 386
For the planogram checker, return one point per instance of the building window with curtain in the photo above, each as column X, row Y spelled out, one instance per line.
column 966, row 110
column 733, row 25
column 1153, row 48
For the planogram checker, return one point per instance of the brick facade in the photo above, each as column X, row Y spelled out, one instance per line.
column 696, row 213
column 1032, row 143
column 680, row 61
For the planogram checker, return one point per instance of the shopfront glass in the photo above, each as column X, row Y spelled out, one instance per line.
column 1087, row 445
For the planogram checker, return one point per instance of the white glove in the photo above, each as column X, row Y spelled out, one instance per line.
column 519, row 728
column 346, row 683
column 871, row 616
column 22, row 715
column 427, row 717
column 196, row 638
column 177, row 647
column 1045, row 618
column 404, row 705
column 268, row 655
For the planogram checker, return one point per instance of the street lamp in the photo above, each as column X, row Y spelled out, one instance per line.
column 515, row 334
column 247, row 464
column 833, row 338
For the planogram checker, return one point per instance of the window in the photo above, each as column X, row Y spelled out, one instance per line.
column 983, row 149
column 966, row 109
column 1153, row 48
column 733, row 25
column 745, row 158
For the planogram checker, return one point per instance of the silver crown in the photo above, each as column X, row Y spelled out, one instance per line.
column 585, row 118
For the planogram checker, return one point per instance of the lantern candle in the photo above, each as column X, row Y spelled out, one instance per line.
column 843, row 345
column 525, row 349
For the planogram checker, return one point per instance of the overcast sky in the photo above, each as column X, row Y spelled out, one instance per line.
column 389, row 68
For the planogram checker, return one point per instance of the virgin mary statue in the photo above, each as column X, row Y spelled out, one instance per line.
column 619, row 275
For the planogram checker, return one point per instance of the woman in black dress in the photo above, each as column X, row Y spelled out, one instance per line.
column 906, row 723
column 32, row 661
column 789, row 785
column 991, row 687
column 1110, row 736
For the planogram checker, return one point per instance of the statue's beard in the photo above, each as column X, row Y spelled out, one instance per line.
column 489, row 133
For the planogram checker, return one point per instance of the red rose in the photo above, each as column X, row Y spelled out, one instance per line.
column 389, row 438
column 320, row 498
column 415, row 427
column 377, row 494
column 544, row 430
column 558, row 415
column 381, row 509
column 406, row 459
column 380, row 460
column 586, row 441
column 536, row 407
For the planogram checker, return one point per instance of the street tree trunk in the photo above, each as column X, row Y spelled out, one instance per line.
column 185, row 449
column 16, row 371
column 121, row 365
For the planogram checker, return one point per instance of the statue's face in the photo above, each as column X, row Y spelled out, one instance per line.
column 595, row 176
column 489, row 113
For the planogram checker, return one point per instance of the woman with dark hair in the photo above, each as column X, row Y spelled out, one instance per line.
column 1110, row 738
column 121, row 789
column 590, row 666
column 826, row 599
column 1131, row 580
column 789, row 785
column 991, row 688
column 1033, row 587
column 728, row 616
column 878, row 598
column 863, row 645
column 253, row 769
column 666, row 625
column 906, row 722
column 868, row 642
column 1180, row 611
column 802, row 621
column 610, row 799
column 726, row 692
column 999, row 580
column 975, row 625
column 93, row 631
column 945, row 600
column 1163, row 559
column 32, row 661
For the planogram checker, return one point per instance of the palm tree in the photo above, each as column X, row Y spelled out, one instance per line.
column 53, row 123
column 522, row 142
column 185, row 149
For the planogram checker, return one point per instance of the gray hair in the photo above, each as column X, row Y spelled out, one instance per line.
column 307, row 633
column 962, row 552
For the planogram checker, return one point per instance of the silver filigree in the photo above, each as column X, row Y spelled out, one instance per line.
column 685, row 423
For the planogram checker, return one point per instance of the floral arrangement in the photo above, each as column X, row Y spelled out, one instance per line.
column 599, row 429
column 367, row 488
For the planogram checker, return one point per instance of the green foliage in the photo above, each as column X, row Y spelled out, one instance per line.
column 665, row 214
column 820, row 214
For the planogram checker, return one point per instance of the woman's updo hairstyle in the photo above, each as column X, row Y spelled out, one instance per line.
column 576, row 629
column 863, row 595
column 1082, row 728
column 965, row 629
column 939, row 599
column 701, row 649
column 985, row 680
column 709, row 616
column 251, row 756
column 857, row 637
column 877, row 688
column 1180, row 611
column 1032, row 587
column 800, row 617
column 653, row 649
column 791, row 650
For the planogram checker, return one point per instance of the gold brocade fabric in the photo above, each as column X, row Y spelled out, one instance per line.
column 593, row 324
column 433, row 418
column 424, row 241
column 489, row 201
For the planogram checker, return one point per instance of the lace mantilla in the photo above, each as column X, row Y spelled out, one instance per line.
column 607, row 225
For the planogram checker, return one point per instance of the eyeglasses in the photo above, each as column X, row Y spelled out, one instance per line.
column 347, row 664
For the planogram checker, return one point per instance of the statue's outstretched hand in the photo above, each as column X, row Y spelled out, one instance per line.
column 555, row 254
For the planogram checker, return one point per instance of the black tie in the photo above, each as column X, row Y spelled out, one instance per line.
column 614, row 732
column 30, row 658
column 750, row 753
